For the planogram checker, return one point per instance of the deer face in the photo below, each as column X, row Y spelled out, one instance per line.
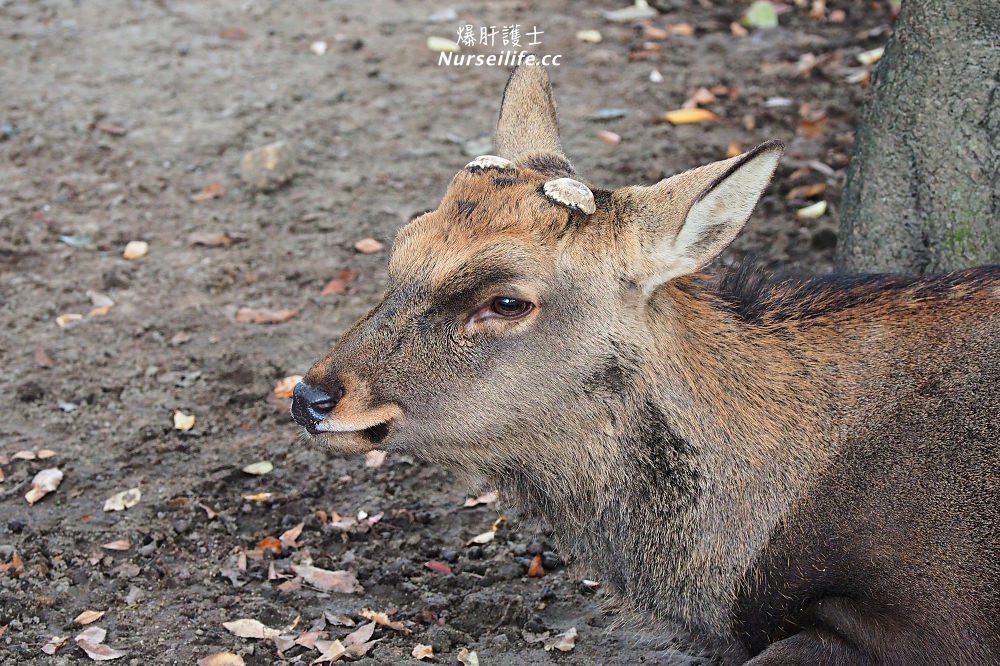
column 521, row 304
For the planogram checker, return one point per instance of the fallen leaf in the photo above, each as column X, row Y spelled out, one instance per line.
column 610, row 138
column 247, row 628
column 99, row 300
column 383, row 619
column 338, row 285
column 234, row 34
column 361, row 635
column 536, row 570
column 99, row 651
column 24, row 455
column 838, row 16
column 375, row 458
column 54, row 644
column 442, row 45
column 328, row 581
column 44, row 483
column 2, row 477
column 563, row 642
column 486, row 498
column 222, row 659
column 45, row 454
column 811, row 212
column 15, row 566
column 733, row 150
column 307, row 639
column 210, row 239
column 421, row 651
column 264, row 316
column 680, row 29
column 339, row 619
column 209, row 192
column 182, row 421
column 258, row 497
column 334, row 652
column 42, row 358
column 118, row 544
column 285, row 388
column 112, row 129
column 761, row 14
column 737, row 30
column 102, row 311
column 871, row 57
column 812, row 129
column 93, row 634
column 289, row 538
column 89, row 616
column 589, row 36
column 654, row 33
column 689, row 116
column 368, row 246
column 439, row 567
column 806, row 191
column 68, row 319
column 483, row 538
column 259, row 468
column 135, row 250
column 318, row 47
column 468, row 657
column 123, row 500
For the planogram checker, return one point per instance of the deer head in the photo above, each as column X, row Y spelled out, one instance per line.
column 521, row 312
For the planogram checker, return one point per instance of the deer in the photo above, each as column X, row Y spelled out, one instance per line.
column 770, row 470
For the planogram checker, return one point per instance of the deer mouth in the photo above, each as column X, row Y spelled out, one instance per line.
column 361, row 434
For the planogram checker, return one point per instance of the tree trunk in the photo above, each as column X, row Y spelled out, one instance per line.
column 923, row 187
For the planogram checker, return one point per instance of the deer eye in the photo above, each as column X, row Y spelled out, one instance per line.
column 507, row 306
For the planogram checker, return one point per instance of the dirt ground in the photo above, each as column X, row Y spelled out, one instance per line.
column 113, row 115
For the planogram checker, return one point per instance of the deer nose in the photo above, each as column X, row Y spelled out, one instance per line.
column 311, row 404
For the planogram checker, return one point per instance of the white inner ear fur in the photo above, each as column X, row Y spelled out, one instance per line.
column 714, row 219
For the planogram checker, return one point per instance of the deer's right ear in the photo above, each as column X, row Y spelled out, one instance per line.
column 684, row 222
column 527, row 130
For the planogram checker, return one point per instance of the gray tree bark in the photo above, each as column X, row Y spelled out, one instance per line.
column 923, row 186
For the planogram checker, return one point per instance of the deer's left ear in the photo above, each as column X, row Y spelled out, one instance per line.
column 686, row 221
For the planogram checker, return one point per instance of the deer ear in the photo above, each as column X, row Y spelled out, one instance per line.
column 527, row 130
column 686, row 221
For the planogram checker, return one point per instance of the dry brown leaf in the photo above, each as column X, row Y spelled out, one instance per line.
column 689, row 116
column 812, row 129
column 307, row 639
column 99, row 651
column 535, row 569
column 383, row 619
column 285, row 388
column 222, row 659
column 54, row 644
column 440, row 567
column 737, row 30
column 483, row 538
column 248, row 628
column 93, row 634
column 421, row 651
column 68, row 319
column 45, row 454
column 468, row 657
column 838, row 16
column 209, row 192
column 734, row 150
column 24, row 455
column 269, row 543
column 368, row 246
column 118, row 544
column 332, row 653
column 2, row 477
column 610, row 138
column 42, row 358
column 15, row 566
column 210, row 239
column 265, row 316
column 375, row 458
column 258, row 497
column 328, row 581
column 289, row 538
column 563, row 642
column 44, row 483
column 361, row 635
column 680, row 29
column 806, row 191
column 700, row 97
column 338, row 285
column 89, row 616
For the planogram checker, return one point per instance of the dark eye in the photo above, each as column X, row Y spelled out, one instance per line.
column 506, row 306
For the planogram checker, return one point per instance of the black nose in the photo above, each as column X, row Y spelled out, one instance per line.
column 310, row 404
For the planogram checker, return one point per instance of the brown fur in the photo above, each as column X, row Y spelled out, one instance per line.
column 793, row 471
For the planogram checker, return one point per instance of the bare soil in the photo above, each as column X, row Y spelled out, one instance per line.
column 114, row 114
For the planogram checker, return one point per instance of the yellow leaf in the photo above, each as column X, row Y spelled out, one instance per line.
column 182, row 421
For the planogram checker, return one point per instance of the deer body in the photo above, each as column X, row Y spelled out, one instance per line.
column 801, row 472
